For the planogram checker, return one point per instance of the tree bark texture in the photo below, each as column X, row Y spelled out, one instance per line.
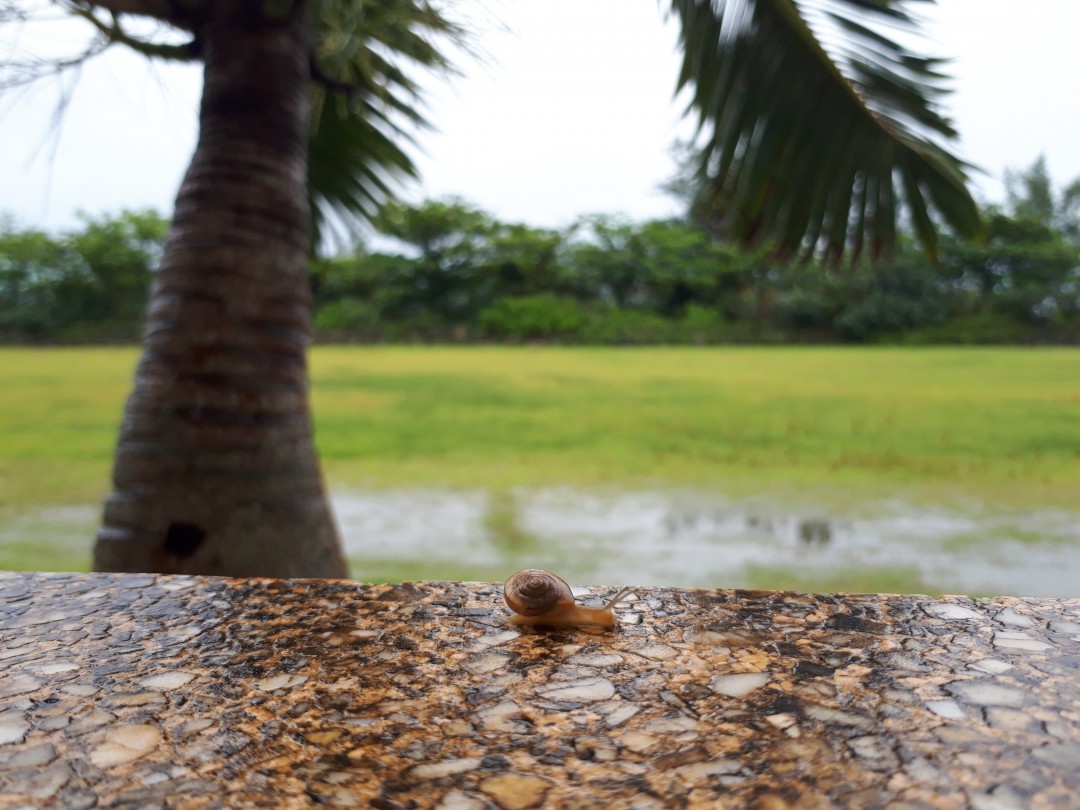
column 215, row 470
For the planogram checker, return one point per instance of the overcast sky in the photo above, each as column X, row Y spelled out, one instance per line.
column 572, row 113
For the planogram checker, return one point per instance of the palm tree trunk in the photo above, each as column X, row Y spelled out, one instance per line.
column 216, row 471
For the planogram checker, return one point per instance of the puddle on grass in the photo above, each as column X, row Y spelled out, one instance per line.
column 654, row 538
column 695, row 539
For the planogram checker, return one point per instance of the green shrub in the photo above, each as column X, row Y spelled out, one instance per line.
column 702, row 324
column 344, row 315
column 618, row 326
column 103, row 332
column 532, row 317
column 804, row 309
column 968, row 330
column 883, row 312
column 426, row 328
column 697, row 316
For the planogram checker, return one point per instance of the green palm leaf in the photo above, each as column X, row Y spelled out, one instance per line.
column 818, row 128
column 367, row 103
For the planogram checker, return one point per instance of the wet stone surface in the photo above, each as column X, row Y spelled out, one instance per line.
column 141, row 691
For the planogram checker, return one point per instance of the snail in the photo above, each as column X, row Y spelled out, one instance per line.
column 541, row 598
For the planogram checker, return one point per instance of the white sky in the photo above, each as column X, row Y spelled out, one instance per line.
column 572, row 114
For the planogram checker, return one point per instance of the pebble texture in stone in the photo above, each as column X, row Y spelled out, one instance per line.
column 182, row 692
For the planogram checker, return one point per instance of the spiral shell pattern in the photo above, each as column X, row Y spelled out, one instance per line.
column 532, row 592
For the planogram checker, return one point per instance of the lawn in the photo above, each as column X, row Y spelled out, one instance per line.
column 997, row 422
column 989, row 423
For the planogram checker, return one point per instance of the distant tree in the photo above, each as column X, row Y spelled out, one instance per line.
column 1025, row 269
column 34, row 267
column 893, row 296
column 437, row 228
column 607, row 261
column 462, row 258
column 451, row 261
column 685, row 268
column 121, row 252
column 661, row 265
column 526, row 260
column 1030, row 195
column 452, row 239
column 90, row 283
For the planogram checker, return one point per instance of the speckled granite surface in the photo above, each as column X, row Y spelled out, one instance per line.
column 143, row 691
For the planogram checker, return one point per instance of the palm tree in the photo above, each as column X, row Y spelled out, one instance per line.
column 215, row 470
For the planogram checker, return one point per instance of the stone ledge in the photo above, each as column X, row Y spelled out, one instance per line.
column 187, row 692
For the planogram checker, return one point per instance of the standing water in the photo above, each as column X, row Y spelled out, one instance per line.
column 699, row 539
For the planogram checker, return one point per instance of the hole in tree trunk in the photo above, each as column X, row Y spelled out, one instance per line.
column 184, row 539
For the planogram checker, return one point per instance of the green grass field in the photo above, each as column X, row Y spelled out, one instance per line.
column 1001, row 426
column 994, row 423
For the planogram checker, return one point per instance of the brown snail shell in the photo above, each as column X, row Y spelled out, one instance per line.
column 541, row 598
column 533, row 592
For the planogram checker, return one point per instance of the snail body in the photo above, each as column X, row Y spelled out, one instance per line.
column 542, row 598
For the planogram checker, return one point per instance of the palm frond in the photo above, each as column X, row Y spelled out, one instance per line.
column 818, row 127
column 367, row 103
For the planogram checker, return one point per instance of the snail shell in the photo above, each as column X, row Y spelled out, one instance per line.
column 533, row 592
column 541, row 598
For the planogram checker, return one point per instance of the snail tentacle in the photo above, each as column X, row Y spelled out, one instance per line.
column 617, row 598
